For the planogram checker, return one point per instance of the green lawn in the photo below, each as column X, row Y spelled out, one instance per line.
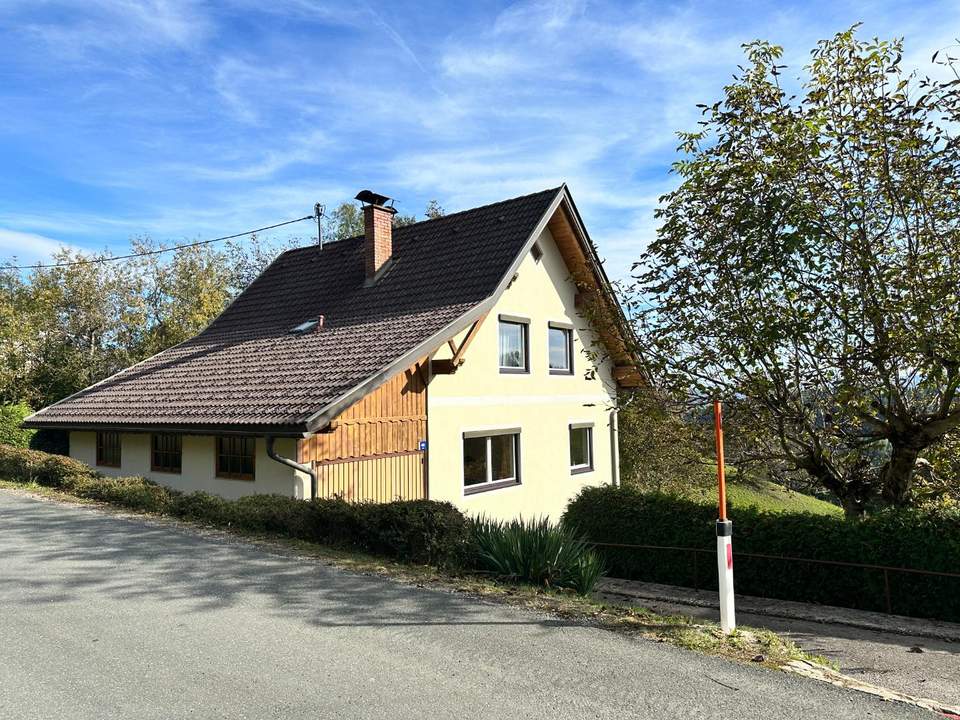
column 768, row 496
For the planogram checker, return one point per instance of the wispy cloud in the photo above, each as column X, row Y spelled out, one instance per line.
column 25, row 247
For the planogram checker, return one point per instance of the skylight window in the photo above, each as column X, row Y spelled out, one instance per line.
column 305, row 327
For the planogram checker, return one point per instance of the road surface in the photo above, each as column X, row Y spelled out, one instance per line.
column 111, row 617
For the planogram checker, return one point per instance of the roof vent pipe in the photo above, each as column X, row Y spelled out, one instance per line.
column 308, row 469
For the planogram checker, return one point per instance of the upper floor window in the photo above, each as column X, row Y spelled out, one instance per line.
column 514, row 345
column 491, row 459
column 235, row 457
column 561, row 349
column 166, row 453
column 581, row 447
column 108, row 449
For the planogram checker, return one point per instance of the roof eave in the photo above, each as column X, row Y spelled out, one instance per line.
column 286, row 430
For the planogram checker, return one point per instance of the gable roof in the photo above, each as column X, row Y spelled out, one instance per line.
column 247, row 373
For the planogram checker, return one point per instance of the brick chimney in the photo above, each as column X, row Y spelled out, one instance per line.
column 377, row 232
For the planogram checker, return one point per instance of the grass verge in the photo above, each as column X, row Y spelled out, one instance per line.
column 751, row 645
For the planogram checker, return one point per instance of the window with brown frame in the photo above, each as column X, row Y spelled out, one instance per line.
column 166, row 453
column 235, row 457
column 108, row 449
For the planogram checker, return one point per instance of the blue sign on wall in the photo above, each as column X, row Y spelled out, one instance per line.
column 423, row 444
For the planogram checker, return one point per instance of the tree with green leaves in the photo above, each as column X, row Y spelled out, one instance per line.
column 806, row 268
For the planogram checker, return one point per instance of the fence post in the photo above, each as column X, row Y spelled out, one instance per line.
column 886, row 591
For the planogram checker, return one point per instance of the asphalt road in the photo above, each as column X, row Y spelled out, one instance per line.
column 108, row 617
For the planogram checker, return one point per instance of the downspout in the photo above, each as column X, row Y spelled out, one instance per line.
column 308, row 469
column 615, row 449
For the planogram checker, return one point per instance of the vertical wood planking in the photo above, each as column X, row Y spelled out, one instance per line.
column 372, row 454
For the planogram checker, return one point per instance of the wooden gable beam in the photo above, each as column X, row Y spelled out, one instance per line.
column 448, row 367
column 591, row 299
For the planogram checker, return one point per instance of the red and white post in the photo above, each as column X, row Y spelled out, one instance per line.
column 728, row 619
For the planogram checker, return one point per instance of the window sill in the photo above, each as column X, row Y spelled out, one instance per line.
column 581, row 470
column 233, row 477
column 108, row 465
column 487, row 487
column 555, row 371
column 164, row 471
column 514, row 371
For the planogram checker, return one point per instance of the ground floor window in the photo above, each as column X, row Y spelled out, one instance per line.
column 581, row 447
column 491, row 459
column 235, row 457
column 166, row 453
column 108, row 449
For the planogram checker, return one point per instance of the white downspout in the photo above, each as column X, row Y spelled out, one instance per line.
column 615, row 448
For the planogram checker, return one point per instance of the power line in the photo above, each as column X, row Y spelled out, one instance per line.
column 161, row 250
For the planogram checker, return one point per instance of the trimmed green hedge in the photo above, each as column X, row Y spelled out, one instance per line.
column 925, row 540
column 419, row 531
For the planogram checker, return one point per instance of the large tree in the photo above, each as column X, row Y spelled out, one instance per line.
column 807, row 266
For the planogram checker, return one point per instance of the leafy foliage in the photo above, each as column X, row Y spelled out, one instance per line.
column 11, row 415
column 538, row 552
column 659, row 448
column 806, row 266
column 912, row 538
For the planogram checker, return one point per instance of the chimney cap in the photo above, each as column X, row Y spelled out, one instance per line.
column 371, row 198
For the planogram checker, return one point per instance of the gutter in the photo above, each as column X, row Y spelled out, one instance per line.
column 308, row 469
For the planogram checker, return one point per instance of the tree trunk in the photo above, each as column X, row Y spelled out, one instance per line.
column 896, row 476
column 853, row 507
column 853, row 492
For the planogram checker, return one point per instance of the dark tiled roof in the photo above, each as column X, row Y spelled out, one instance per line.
column 246, row 370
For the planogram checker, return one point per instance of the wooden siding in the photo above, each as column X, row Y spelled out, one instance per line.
column 378, row 479
column 372, row 450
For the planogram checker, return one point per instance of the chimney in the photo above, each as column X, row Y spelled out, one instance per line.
column 377, row 232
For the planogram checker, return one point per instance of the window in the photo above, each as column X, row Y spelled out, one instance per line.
column 235, row 457
column 108, row 449
column 490, row 460
column 560, row 338
column 514, row 342
column 166, row 453
column 581, row 448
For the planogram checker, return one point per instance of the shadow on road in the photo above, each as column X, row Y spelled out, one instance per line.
column 109, row 557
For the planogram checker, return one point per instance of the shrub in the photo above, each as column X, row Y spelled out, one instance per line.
column 423, row 531
column 921, row 539
column 11, row 416
column 536, row 551
column 203, row 506
column 420, row 531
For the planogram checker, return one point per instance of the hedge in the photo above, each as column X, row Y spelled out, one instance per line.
column 419, row 531
column 920, row 539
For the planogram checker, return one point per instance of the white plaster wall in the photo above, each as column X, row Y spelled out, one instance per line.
column 542, row 405
column 199, row 465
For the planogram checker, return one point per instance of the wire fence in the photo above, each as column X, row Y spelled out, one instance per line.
column 700, row 572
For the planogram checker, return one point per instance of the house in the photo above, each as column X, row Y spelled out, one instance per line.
column 474, row 358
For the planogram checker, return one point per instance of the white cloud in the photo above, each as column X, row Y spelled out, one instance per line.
column 129, row 25
column 26, row 247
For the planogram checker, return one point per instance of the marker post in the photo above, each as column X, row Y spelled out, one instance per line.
column 728, row 619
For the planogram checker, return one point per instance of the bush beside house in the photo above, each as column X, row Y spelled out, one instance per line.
column 921, row 539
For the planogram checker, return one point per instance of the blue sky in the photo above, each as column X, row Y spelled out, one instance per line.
column 183, row 120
